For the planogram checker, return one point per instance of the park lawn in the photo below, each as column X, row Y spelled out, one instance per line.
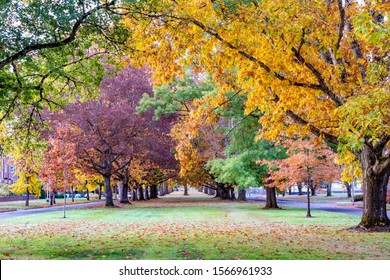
column 196, row 228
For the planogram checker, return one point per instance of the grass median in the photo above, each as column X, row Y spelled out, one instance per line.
column 189, row 228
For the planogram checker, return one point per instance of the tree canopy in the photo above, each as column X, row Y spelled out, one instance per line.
column 52, row 52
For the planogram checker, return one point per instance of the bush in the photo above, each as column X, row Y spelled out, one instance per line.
column 358, row 197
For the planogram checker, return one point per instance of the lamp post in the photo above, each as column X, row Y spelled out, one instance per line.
column 308, row 214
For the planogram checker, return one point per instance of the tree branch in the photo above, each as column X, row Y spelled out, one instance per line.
column 252, row 58
column 328, row 137
column 336, row 99
column 69, row 39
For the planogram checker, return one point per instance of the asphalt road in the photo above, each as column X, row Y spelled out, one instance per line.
column 18, row 213
column 313, row 206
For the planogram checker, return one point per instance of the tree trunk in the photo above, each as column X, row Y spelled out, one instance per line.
column 165, row 189
column 313, row 190
column 308, row 214
column 375, row 179
column 51, row 198
column 299, row 185
column 108, row 191
column 218, row 193
column 289, row 190
column 124, row 191
column 232, row 195
column 242, row 195
column 86, row 182
column 141, row 193
column 153, row 192
column 120, row 189
column 27, row 197
column 329, row 189
column 185, row 190
column 72, row 192
column 100, row 192
column 147, row 197
column 115, row 193
column 134, row 194
column 271, row 202
column 223, row 191
column 349, row 189
column 161, row 190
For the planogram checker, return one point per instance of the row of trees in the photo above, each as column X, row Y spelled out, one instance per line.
column 217, row 146
column 308, row 67
column 102, row 138
column 280, row 70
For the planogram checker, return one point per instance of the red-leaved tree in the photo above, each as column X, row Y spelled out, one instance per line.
column 307, row 162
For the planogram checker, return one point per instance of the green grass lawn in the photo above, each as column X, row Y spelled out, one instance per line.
column 189, row 228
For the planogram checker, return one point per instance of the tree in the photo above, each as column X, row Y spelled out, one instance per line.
column 27, row 167
column 58, row 171
column 87, row 182
column 52, row 51
column 242, row 152
column 310, row 67
column 27, row 155
column 308, row 162
column 106, row 133
column 177, row 100
column 197, row 142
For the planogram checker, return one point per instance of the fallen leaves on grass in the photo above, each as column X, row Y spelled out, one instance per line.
column 121, row 234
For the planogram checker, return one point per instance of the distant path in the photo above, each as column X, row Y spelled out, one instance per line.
column 18, row 213
column 314, row 206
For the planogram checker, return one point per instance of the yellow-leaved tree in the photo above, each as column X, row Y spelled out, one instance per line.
column 27, row 169
column 317, row 66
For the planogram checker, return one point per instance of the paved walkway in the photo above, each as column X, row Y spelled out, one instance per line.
column 324, row 207
column 18, row 213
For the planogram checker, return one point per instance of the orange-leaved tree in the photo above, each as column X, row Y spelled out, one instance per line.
column 307, row 162
column 59, row 168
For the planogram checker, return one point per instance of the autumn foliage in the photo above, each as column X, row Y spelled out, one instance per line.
column 314, row 67
column 307, row 162
column 104, row 136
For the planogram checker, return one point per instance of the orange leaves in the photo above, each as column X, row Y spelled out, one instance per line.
column 306, row 161
column 60, row 163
